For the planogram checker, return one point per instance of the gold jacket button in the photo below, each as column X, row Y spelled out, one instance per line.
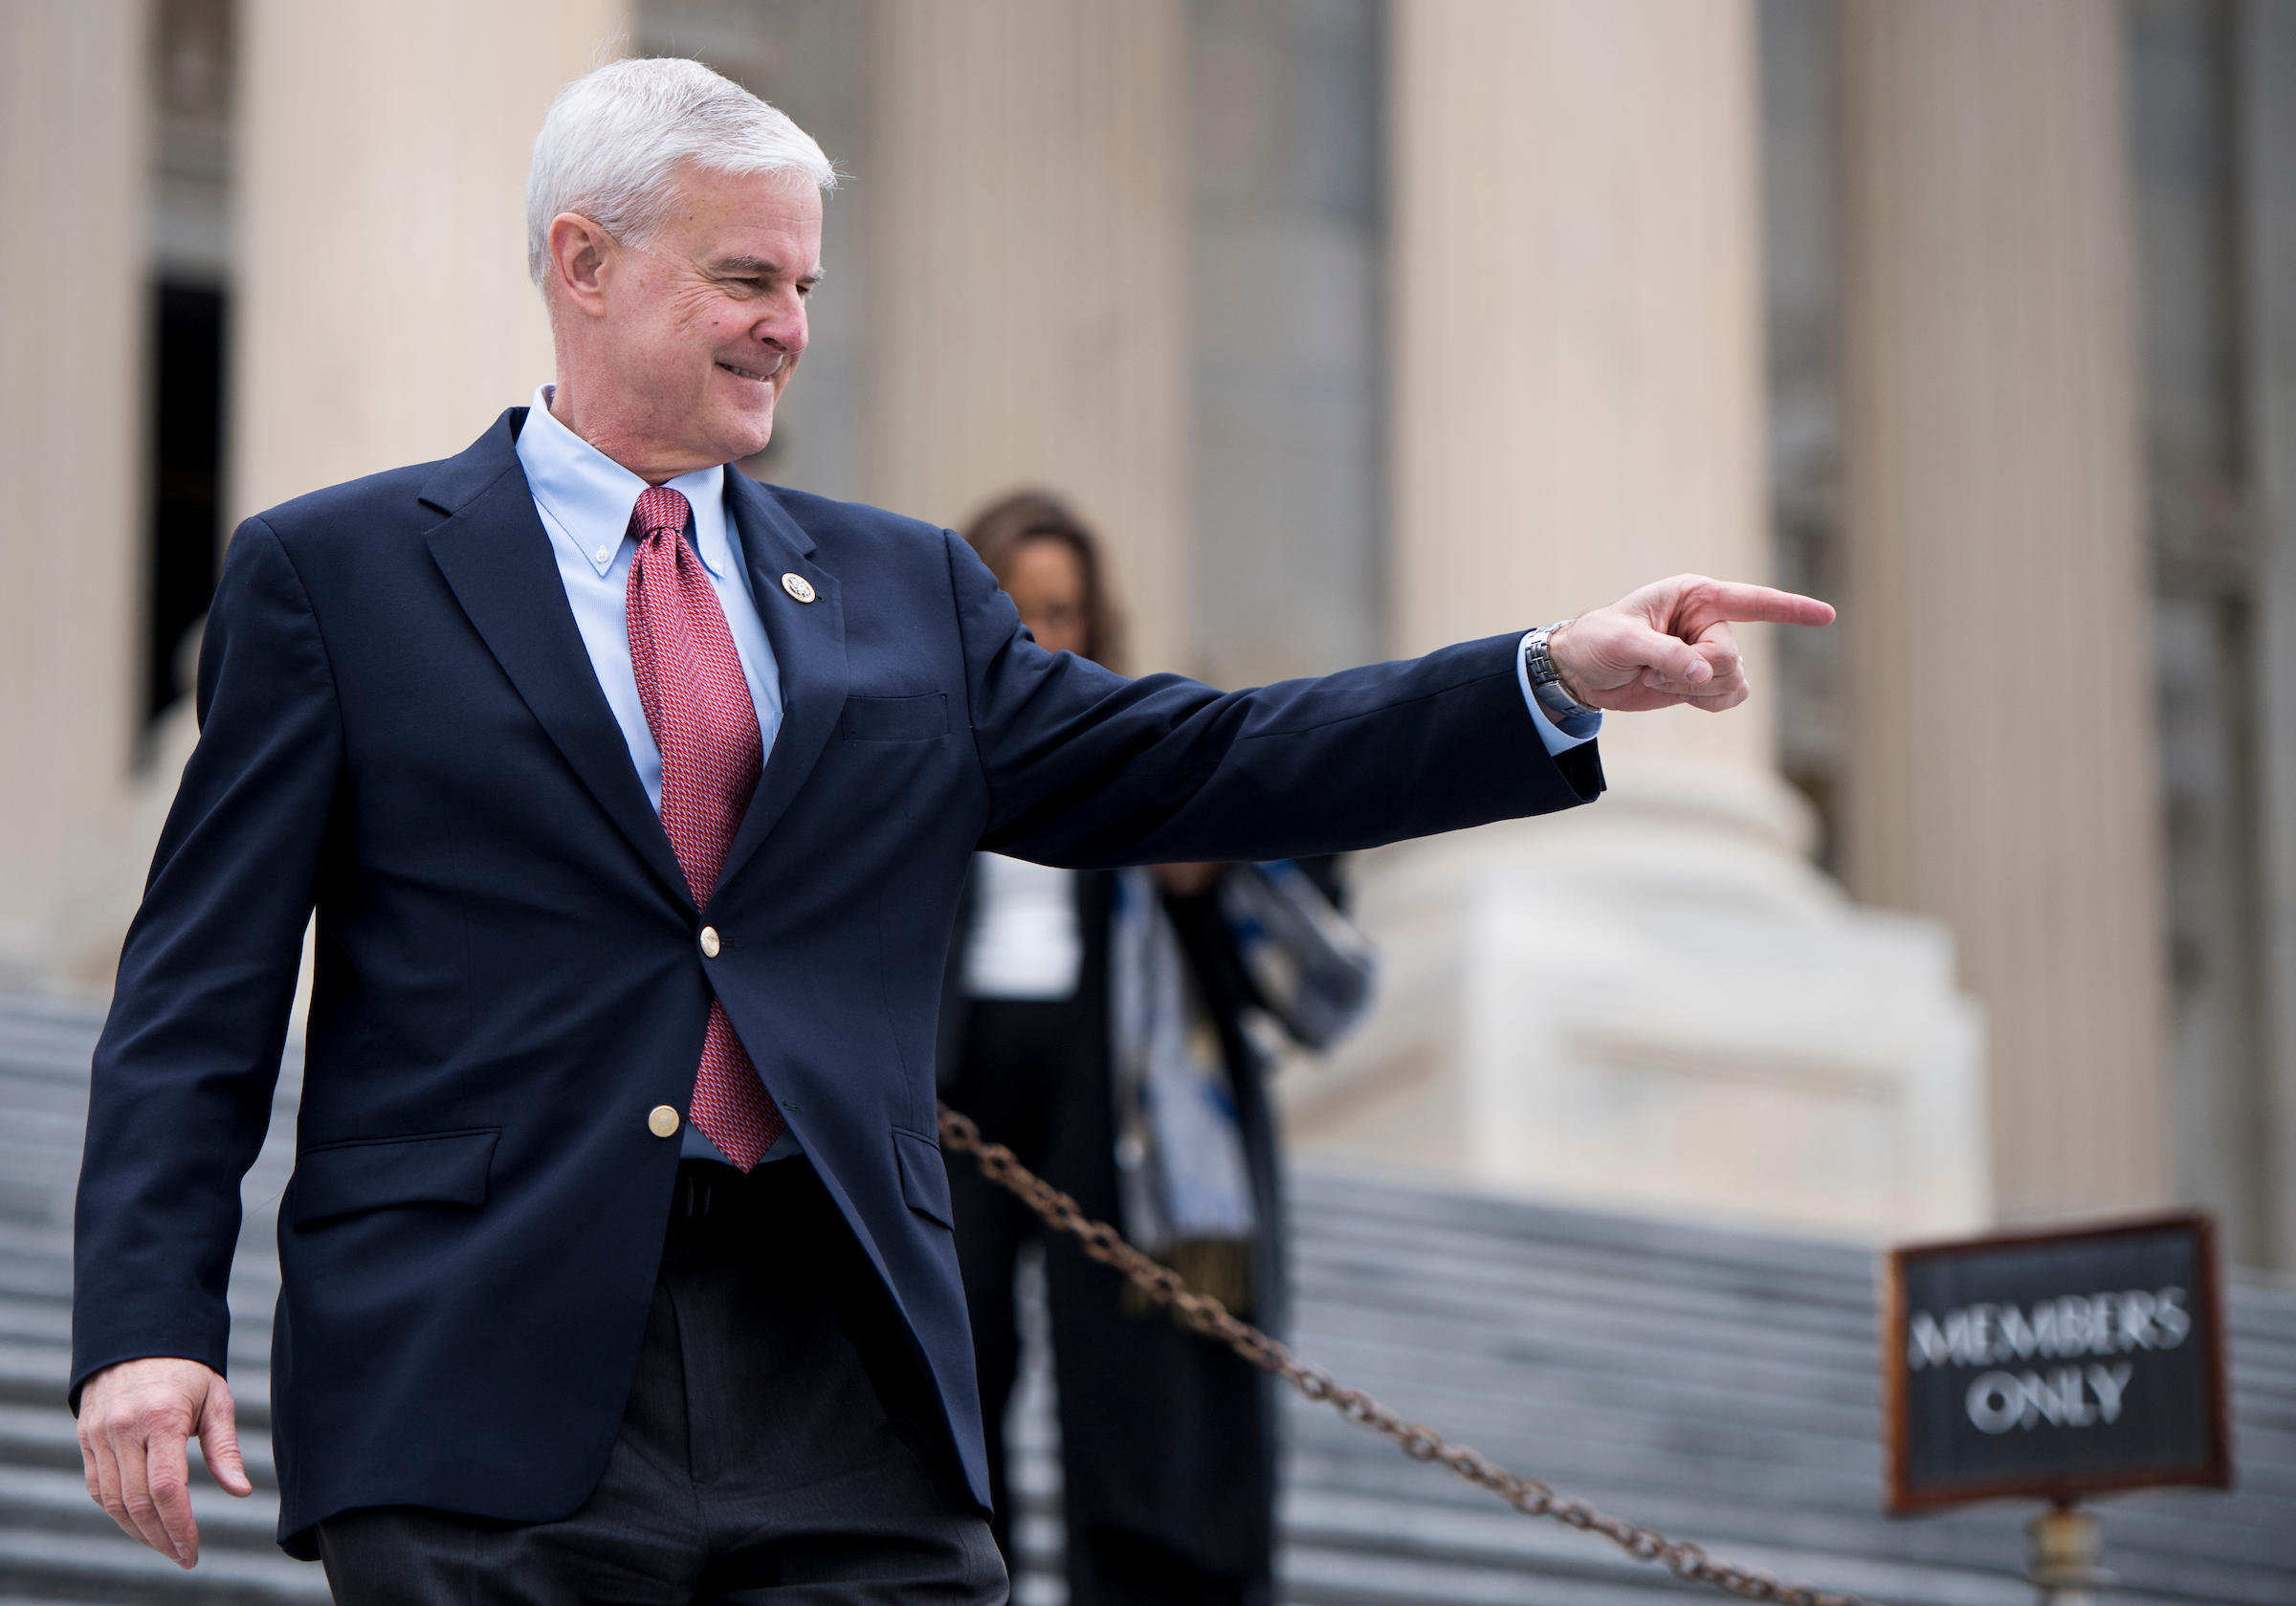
column 709, row 942
column 662, row 1122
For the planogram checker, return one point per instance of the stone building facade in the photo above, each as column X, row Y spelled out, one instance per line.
column 1362, row 325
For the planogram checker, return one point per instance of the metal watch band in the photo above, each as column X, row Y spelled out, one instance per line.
column 1546, row 682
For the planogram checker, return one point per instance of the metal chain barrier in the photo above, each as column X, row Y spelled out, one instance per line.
column 1209, row 1317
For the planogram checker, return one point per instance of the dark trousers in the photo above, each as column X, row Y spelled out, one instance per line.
column 1024, row 1073
column 780, row 1445
column 1019, row 1060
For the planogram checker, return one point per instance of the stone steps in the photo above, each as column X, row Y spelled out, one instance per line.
column 55, row 1545
column 1721, row 1386
column 1718, row 1385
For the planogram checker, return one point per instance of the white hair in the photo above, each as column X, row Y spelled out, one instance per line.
column 614, row 139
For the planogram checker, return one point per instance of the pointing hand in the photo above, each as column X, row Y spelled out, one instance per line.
column 1672, row 643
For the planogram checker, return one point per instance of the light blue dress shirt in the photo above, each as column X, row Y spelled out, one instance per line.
column 585, row 499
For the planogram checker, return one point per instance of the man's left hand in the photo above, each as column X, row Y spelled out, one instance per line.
column 1672, row 643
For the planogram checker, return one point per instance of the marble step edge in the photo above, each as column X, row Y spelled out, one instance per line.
column 2152, row 1540
column 76, row 1566
column 1345, row 1534
column 2256, row 1316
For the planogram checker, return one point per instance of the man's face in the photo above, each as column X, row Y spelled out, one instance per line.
column 703, row 327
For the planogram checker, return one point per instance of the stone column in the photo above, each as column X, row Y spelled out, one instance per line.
column 2267, row 56
column 1655, row 1003
column 74, row 110
column 2003, row 686
column 1026, row 184
column 383, row 313
column 1577, row 316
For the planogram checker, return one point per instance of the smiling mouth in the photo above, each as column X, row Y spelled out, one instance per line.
column 750, row 373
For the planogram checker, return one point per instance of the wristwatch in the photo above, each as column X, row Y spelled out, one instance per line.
column 1546, row 682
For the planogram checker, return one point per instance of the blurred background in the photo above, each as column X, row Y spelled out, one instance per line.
column 1361, row 326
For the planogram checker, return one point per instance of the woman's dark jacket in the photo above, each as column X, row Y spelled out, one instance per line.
column 1165, row 1437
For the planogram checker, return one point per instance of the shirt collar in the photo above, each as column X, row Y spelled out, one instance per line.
column 590, row 497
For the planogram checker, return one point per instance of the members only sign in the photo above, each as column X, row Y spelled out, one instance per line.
column 2052, row 1363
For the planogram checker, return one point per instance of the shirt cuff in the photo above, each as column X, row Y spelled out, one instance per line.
column 1558, row 738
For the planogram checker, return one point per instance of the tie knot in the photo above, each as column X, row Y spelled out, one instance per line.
column 659, row 508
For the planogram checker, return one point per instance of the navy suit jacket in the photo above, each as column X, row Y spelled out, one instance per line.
column 400, row 728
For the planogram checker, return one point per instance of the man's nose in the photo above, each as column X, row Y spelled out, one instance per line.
column 784, row 326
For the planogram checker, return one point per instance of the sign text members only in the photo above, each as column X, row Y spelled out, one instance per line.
column 2048, row 1364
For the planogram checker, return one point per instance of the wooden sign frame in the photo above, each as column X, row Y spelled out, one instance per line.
column 2208, row 1293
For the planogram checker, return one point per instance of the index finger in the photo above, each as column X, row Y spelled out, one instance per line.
column 1750, row 605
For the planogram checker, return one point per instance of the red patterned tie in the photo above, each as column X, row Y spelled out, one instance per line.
column 698, row 708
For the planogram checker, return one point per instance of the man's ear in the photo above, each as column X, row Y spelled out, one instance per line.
column 579, row 249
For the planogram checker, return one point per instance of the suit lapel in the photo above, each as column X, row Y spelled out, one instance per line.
column 809, row 650
column 496, row 555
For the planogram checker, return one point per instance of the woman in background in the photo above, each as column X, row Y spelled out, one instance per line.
column 1094, row 1021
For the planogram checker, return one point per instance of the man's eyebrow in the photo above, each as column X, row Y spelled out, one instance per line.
column 754, row 267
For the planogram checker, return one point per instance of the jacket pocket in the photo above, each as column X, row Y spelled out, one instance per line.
column 896, row 718
column 924, row 1176
column 436, row 1168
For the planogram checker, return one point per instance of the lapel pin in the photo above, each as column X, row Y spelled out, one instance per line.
column 797, row 587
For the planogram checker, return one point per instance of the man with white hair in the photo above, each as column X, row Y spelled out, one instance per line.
column 633, row 800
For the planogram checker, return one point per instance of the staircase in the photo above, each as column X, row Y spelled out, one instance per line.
column 1719, row 1386
column 55, row 1545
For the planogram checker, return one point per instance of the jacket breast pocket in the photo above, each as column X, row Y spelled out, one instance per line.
column 924, row 1176
column 917, row 719
column 436, row 1168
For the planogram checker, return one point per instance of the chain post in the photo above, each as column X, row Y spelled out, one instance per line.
column 1209, row 1317
column 2068, row 1544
